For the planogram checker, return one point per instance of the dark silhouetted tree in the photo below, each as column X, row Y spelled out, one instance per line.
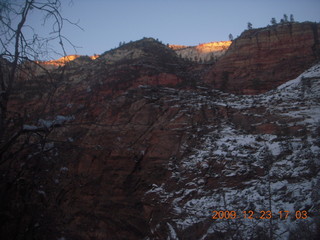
column 249, row 25
column 273, row 21
column 230, row 37
column 291, row 18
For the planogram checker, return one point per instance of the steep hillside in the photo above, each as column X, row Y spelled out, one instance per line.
column 263, row 155
column 262, row 59
column 154, row 162
column 146, row 61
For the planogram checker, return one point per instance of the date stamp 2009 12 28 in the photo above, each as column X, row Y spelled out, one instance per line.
column 259, row 215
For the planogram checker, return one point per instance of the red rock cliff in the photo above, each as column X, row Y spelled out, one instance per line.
column 108, row 152
column 261, row 59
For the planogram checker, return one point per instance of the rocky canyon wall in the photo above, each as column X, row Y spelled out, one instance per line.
column 261, row 59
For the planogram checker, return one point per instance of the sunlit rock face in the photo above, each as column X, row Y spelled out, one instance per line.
column 42, row 67
column 203, row 52
column 213, row 46
column 261, row 59
column 64, row 60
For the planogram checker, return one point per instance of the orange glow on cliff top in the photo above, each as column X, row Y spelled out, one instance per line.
column 63, row 60
column 206, row 47
column 214, row 46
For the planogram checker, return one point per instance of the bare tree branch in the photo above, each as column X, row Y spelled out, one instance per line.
column 19, row 50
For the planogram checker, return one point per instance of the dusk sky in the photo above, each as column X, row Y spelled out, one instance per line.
column 105, row 23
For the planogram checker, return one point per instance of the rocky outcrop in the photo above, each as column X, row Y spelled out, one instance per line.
column 206, row 52
column 262, row 59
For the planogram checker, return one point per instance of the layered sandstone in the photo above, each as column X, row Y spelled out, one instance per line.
column 261, row 59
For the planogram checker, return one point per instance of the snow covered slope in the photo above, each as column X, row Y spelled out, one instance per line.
column 266, row 161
